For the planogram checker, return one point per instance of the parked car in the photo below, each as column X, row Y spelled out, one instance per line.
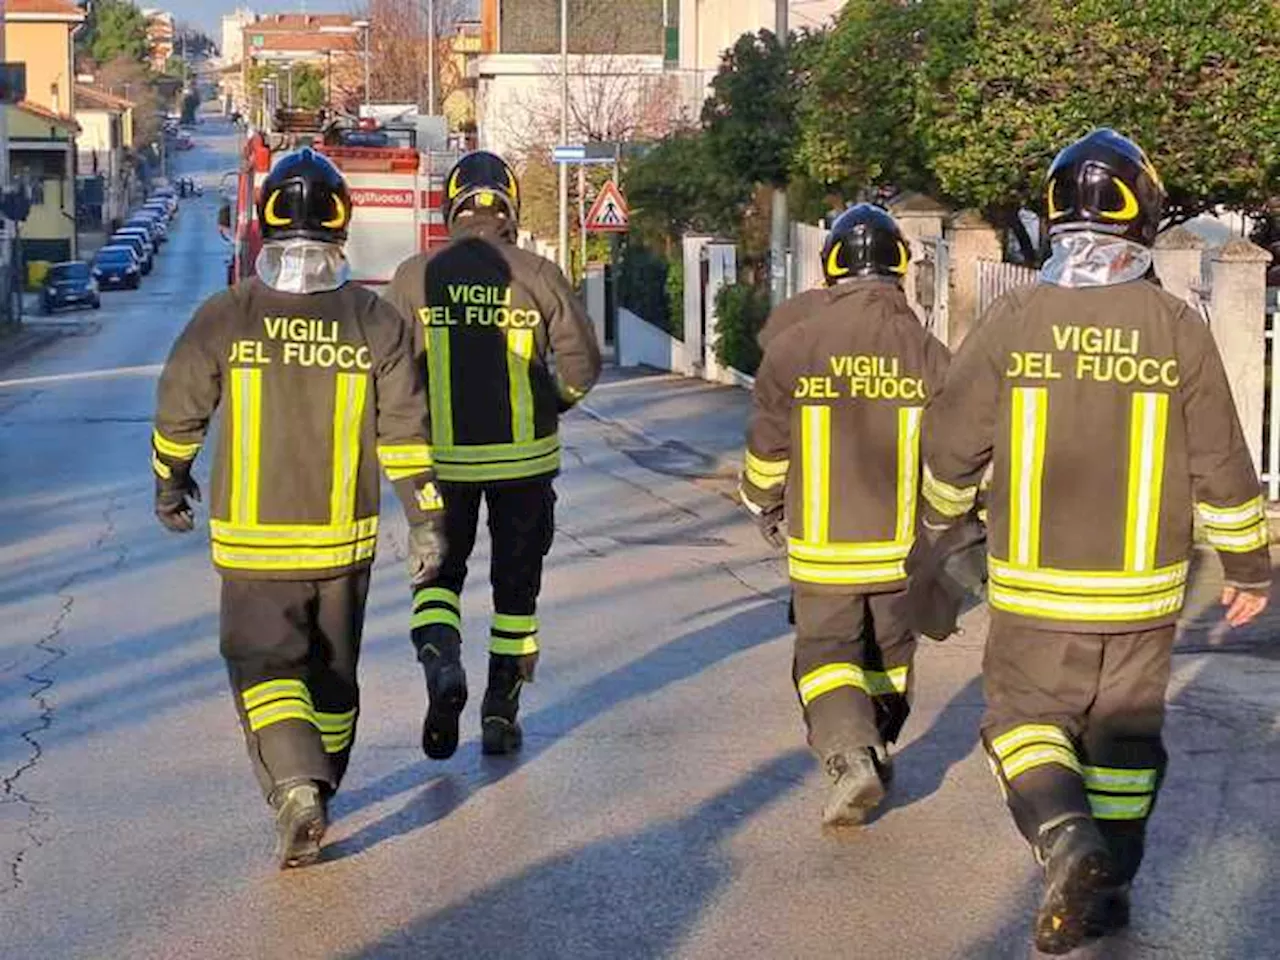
column 168, row 194
column 136, row 239
column 116, row 265
column 69, row 284
column 153, row 223
column 183, row 141
column 160, row 206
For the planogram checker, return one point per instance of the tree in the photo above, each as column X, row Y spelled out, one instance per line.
column 126, row 77
column 398, row 44
column 969, row 101
column 115, row 28
column 307, row 81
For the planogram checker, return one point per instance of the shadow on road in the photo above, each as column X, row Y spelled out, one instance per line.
column 635, row 895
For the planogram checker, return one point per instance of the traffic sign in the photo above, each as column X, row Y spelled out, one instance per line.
column 609, row 213
column 570, row 154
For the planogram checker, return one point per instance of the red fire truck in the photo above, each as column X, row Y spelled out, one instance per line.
column 396, row 191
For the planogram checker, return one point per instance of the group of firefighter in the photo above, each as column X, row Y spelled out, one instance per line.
column 1055, row 465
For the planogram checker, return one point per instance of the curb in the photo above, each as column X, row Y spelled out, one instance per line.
column 23, row 342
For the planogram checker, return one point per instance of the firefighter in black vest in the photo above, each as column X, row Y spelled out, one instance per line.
column 1102, row 404
column 318, row 385
column 507, row 348
column 833, row 452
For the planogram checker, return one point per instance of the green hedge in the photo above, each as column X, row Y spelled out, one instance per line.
column 741, row 310
column 648, row 286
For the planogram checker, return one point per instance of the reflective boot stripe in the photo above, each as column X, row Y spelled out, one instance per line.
column 439, row 386
column 348, row 416
column 436, row 605
column 514, row 634
column 246, row 444
column 815, row 446
column 1148, row 427
column 1026, row 467
column 519, row 352
column 1032, row 745
column 337, row 730
column 833, row 676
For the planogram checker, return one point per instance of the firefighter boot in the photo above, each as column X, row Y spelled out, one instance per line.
column 1078, row 867
column 1110, row 913
column 300, row 823
column 857, row 787
column 500, row 733
column 440, row 654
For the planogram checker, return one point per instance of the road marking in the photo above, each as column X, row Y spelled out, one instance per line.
column 151, row 369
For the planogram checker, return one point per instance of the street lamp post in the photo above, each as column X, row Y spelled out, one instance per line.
column 564, row 134
column 366, row 27
column 431, row 58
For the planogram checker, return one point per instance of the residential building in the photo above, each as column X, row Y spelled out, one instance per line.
column 233, row 24
column 40, row 34
column 105, row 173
column 330, row 42
column 42, row 147
column 162, row 36
column 458, row 75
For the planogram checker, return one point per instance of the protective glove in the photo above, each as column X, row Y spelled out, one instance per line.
column 426, row 550
column 773, row 527
column 172, row 506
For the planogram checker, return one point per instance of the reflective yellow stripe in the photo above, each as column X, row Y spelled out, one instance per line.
column 517, row 647
column 1026, row 468
column 848, row 552
column 1085, row 607
column 293, row 534
column 246, row 443
column 908, row 471
column 437, row 594
column 439, row 385
column 765, row 474
column 1076, row 582
column 404, row 455
column 947, row 500
column 832, row 676
column 172, row 448
column 1242, row 542
column 337, row 742
column 433, row 615
column 251, row 558
column 161, row 468
column 1245, row 515
column 515, row 470
column 1148, row 425
column 815, row 446
column 1013, row 740
column 1120, row 779
column 280, row 710
column 335, row 722
column 519, row 351
column 270, row 690
column 846, row 575
column 515, row 623
column 348, row 415
column 1032, row 757
column 496, row 452
column 1106, row 807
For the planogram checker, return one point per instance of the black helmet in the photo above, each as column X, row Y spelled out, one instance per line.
column 304, row 197
column 1105, row 182
column 864, row 241
column 481, row 181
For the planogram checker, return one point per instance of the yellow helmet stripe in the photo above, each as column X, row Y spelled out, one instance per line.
column 455, row 187
column 904, row 258
column 339, row 214
column 1054, row 211
column 269, row 212
column 1130, row 208
column 834, row 268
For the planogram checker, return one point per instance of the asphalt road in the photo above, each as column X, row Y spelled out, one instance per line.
column 664, row 805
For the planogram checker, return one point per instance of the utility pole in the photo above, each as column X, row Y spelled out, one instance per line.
column 564, row 134
column 779, row 227
column 431, row 58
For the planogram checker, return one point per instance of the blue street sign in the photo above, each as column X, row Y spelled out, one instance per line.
column 573, row 154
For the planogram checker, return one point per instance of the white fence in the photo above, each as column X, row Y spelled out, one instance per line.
column 997, row 279
column 1271, row 416
column 806, row 257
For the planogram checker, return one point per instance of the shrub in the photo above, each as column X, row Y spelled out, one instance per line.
column 640, row 284
column 741, row 310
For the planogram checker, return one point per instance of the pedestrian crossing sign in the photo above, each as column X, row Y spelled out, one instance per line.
column 609, row 213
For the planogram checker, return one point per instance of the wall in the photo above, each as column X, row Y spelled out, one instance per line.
column 44, row 47
column 640, row 343
column 54, row 218
column 621, row 27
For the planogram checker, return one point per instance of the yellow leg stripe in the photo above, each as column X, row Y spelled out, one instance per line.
column 1148, row 426
column 172, row 448
column 515, row 622
column 518, row 647
column 815, row 446
column 1120, row 779
column 519, row 353
column 440, row 594
column 1017, row 738
column 246, row 444
column 766, row 468
column 161, row 468
column 431, row 615
column 270, row 690
column 1026, row 468
column 337, row 742
column 832, row 676
column 1031, row 757
column 763, row 481
column 908, row 472
column 279, row 712
column 335, row 722
column 1106, row 807
column 439, row 385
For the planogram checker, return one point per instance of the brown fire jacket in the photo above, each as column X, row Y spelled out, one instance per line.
column 1108, row 417
column 506, row 346
column 834, row 436
column 318, row 389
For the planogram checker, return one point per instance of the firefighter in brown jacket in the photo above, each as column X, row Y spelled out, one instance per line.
column 1102, row 404
column 833, row 450
column 319, row 385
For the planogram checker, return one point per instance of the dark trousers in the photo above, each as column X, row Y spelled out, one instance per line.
column 852, row 668
column 521, row 529
column 291, row 648
column 1073, row 726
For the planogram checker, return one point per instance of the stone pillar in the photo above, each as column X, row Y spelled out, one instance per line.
column 722, row 270
column 920, row 218
column 1179, row 263
column 694, row 244
column 972, row 239
column 1237, row 315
